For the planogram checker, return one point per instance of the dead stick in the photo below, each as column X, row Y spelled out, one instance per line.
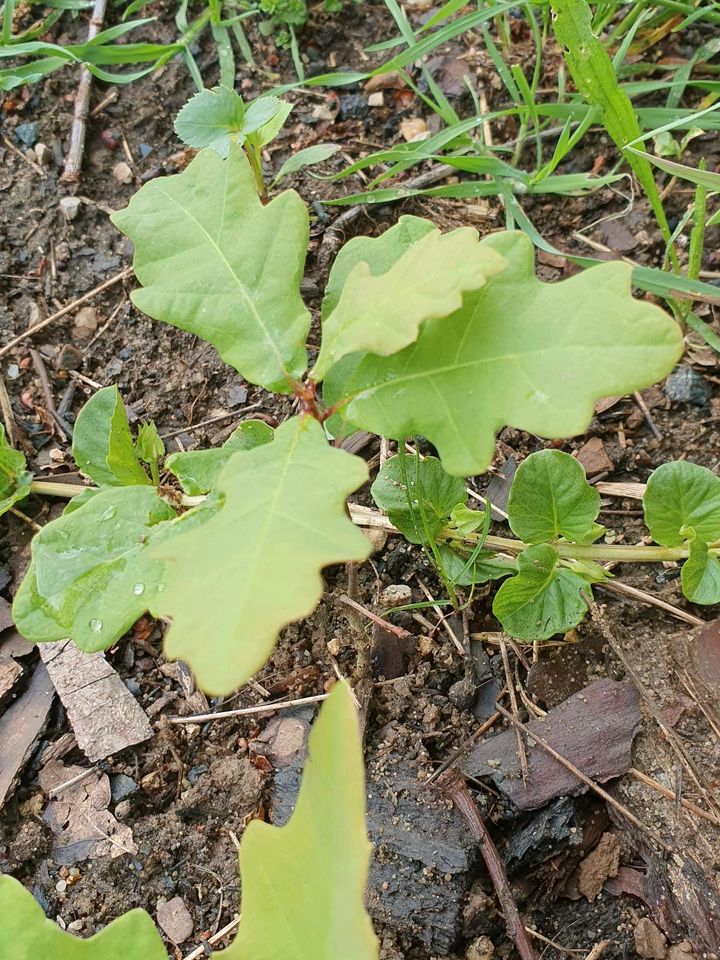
column 670, row 794
column 61, row 313
column 73, row 161
column 385, row 624
column 522, row 756
column 624, row 589
column 453, row 785
column 583, row 778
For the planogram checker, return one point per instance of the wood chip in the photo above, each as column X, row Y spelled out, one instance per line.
column 104, row 715
column 593, row 456
column 20, row 727
column 10, row 673
column 594, row 730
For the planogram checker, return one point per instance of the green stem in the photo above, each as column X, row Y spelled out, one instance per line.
column 590, row 551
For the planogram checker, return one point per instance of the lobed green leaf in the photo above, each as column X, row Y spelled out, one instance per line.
column 518, row 352
column 487, row 566
column 217, row 262
column 198, row 470
column 550, row 498
column 303, row 885
column 26, row 933
column 255, row 565
column 91, row 576
column 381, row 314
column 102, row 444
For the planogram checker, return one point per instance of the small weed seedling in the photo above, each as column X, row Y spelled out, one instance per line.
column 443, row 335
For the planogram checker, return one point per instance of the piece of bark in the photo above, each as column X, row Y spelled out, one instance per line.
column 593, row 456
column 104, row 715
column 10, row 673
column 82, row 826
column 594, row 730
column 12, row 644
column 21, row 725
column 6, row 619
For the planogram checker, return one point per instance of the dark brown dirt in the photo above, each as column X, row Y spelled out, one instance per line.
column 185, row 822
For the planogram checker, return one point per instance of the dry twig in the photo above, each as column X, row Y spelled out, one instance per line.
column 73, row 161
column 453, row 785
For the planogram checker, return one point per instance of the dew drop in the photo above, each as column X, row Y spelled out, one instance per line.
column 109, row 513
column 96, row 625
column 138, row 589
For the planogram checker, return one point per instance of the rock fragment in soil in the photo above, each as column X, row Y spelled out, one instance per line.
column 594, row 730
column 104, row 715
column 650, row 943
column 600, row 865
column 681, row 951
column 27, row 134
column 480, row 949
column 686, row 385
column 174, row 920
column 122, row 173
column 70, row 207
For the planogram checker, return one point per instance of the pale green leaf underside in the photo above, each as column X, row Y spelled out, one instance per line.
column 431, row 490
column 26, row 933
column 214, row 260
column 15, row 479
column 542, row 599
column 379, row 253
column 255, row 566
column 682, row 494
column 102, row 445
column 700, row 574
column 303, row 885
column 212, row 118
column 382, row 314
column 519, row 352
column 198, row 470
column 550, row 498
column 90, row 577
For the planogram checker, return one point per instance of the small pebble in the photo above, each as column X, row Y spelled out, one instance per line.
column 174, row 919
column 122, row 172
column 76, row 925
column 13, row 371
column 686, row 385
column 70, row 207
column 396, row 595
column 27, row 134
column 61, row 886
column 43, row 154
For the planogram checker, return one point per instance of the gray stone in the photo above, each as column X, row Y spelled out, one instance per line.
column 174, row 919
column 686, row 385
column 27, row 134
column 122, row 787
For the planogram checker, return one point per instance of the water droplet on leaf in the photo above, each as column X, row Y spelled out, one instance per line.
column 96, row 625
column 138, row 589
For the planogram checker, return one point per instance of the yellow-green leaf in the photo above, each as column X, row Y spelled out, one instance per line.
column 216, row 261
column 26, row 933
column 382, row 314
column 519, row 352
column 254, row 567
column 303, row 885
column 102, row 444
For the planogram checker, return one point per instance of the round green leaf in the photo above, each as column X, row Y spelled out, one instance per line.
column 682, row 499
column 543, row 599
column 700, row 575
column 430, row 490
column 550, row 498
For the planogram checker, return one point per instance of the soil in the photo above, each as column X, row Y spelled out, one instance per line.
column 186, row 819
